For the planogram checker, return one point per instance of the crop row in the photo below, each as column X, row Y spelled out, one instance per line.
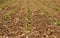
column 7, row 4
column 50, row 5
column 14, row 10
column 44, row 10
column 28, row 17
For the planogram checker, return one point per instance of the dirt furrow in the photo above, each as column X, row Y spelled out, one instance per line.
column 29, row 19
column 55, row 13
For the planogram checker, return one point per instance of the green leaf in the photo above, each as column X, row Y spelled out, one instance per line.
column 58, row 23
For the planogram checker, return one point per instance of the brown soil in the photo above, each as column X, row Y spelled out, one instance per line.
column 41, row 25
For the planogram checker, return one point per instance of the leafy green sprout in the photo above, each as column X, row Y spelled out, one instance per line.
column 28, row 18
column 6, row 15
column 58, row 23
column 1, row 9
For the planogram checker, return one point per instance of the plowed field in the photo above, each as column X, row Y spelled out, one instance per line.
column 29, row 18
